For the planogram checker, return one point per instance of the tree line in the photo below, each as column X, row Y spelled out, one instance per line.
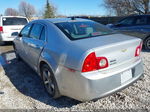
column 29, row 11
column 127, row 7
column 114, row 7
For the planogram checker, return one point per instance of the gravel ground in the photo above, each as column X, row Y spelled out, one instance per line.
column 22, row 88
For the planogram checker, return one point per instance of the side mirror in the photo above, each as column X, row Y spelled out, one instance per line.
column 19, row 35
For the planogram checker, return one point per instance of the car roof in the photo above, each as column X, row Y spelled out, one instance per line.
column 60, row 20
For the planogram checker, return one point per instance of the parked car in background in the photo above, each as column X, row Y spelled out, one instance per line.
column 138, row 25
column 9, row 26
column 79, row 58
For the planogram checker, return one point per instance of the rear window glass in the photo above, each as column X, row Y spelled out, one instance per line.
column 81, row 30
column 14, row 21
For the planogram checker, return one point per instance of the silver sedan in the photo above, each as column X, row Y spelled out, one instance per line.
column 79, row 58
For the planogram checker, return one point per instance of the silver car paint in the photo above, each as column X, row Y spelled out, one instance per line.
column 65, row 57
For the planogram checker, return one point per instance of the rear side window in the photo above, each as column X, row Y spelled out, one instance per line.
column 36, row 31
column 14, row 21
column 141, row 21
column 26, row 30
column 127, row 21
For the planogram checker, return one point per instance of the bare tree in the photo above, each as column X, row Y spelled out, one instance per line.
column 26, row 9
column 11, row 12
column 141, row 6
column 126, row 7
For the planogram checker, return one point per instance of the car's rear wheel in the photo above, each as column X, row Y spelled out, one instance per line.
column 147, row 43
column 49, row 81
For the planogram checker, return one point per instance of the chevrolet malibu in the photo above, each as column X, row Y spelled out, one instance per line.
column 79, row 58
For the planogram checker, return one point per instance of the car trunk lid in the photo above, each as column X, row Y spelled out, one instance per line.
column 119, row 52
column 117, row 48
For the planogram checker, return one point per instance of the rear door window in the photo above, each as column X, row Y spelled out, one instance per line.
column 26, row 30
column 14, row 21
column 36, row 31
column 43, row 34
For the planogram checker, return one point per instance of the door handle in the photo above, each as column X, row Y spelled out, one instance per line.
column 38, row 47
column 34, row 46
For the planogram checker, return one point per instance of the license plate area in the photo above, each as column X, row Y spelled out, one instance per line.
column 126, row 75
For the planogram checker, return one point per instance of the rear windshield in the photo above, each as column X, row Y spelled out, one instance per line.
column 14, row 21
column 81, row 30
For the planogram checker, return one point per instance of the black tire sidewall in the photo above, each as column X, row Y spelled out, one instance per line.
column 145, row 44
column 56, row 93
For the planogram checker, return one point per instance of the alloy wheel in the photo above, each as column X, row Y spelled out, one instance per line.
column 148, row 44
column 48, row 81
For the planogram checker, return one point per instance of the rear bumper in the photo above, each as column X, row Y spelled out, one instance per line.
column 121, row 87
column 83, row 88
column 6, row 38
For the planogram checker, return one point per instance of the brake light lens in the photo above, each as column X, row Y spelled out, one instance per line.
column 1, row 29
column 102, row 62
column 92, row 63
column 138, row 50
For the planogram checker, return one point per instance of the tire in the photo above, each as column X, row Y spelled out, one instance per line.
column 147, row 43
column 49, row 81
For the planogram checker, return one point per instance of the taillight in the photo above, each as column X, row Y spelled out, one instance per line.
column 92, row 63
column 138, row 50
column 1, row 29
column 102, row 62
